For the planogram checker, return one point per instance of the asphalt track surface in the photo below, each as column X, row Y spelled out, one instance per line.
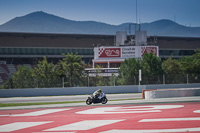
column 122, row 118
column 126, row 116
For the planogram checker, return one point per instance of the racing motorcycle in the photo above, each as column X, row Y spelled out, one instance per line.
column 94, row 99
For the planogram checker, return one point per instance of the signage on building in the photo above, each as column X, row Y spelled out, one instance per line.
column 101, row 70
column 109, row 52
column 124, row 52
column 129, row 52
column 152, row 49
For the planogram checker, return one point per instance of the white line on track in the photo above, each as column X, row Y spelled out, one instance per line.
column 196, row 111
column 84, row 125
column 131, row 109
column 38, row 113
column 171, row 119
column 19, row 125
column 154, row 131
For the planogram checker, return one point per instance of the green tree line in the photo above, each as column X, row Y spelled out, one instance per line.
column 45, row 74
column 69, row 72
column 152, row 66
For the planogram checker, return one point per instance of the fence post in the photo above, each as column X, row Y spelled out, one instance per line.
column 88, row 80
column 114, row 80
column 63, row 82
column 163, row 79
column 187, row 79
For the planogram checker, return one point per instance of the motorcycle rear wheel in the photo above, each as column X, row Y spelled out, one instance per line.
column 104, row 100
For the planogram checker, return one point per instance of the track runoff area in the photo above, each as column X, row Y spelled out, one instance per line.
column 143, row 118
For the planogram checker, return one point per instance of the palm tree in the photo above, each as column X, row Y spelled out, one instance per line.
column 72, row 68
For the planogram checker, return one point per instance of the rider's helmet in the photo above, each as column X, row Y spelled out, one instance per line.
column 99, row 90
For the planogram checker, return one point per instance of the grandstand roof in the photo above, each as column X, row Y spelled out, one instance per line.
column 13, row 39
column 53, row 40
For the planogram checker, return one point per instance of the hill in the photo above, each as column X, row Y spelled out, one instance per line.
column 41, row 22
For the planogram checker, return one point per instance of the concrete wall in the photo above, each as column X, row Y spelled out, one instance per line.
column 65, row 91
column 186, row 92
column 87, row 90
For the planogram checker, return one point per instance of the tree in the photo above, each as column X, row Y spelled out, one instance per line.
column 171, row 66
column 151, row 64
column 73, row 68
column 196, row 62
column 129, row 71
column 45, row 74
column 22, row 78
column 61, row 71
column 186, row 64
column 173, row 71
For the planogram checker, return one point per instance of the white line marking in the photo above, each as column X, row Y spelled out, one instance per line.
column 132, row 109
column 38, row 113
column 170, row 119
column 155, row 131
column 84, row 125
column 196, row 111
column 19, row 125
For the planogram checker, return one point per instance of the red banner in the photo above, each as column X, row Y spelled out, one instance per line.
column 149, row 50
column 109, row 52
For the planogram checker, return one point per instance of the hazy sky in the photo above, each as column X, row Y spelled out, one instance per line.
column 185, row 12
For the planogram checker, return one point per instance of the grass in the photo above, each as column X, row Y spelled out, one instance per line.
column 28, row 104
column 46, row 103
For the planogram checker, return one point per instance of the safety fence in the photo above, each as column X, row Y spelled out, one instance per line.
column 105, row 81
column 145, row 80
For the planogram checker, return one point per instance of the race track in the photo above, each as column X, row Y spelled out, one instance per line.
column 129, row 118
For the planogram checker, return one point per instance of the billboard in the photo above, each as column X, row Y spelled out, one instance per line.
column 109, row 52
column 152, row 49
column 124, row 52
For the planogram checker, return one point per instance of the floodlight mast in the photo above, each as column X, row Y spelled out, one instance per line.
column 136, row 16
column 136, row 20
column 136, row 11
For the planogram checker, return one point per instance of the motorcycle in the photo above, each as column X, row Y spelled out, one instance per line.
column 94, row 99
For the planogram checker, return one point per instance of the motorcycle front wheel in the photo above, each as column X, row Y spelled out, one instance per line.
column 88, row 101
column 104, row 100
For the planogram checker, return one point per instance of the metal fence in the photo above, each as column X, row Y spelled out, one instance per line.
column 112, row 81
column 146, row 80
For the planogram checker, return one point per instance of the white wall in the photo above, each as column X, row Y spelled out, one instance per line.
column 185, row 92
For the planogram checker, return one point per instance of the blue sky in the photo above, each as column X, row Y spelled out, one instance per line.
column 184, row 12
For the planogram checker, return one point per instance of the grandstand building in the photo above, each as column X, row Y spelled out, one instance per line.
column 28, row 48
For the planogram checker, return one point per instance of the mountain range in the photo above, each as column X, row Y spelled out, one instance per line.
column 41, row 22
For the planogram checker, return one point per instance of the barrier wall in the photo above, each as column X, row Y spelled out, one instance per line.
column 186, row 92
column 87, row 90
column 65, row 91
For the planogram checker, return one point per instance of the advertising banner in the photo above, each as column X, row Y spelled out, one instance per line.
column 129, row 52
column 124, row 52
column 109, row 52
column 152, row 49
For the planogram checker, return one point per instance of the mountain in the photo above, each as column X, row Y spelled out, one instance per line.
column 41, row 22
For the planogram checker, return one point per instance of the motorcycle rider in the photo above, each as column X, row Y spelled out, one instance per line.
column 98, row 94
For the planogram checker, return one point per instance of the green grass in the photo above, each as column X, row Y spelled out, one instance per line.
column 28, row 104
